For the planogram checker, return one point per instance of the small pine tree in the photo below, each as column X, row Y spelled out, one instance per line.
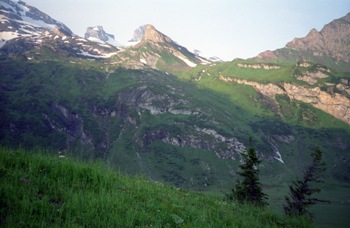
column 300, row 192
column 248, row 189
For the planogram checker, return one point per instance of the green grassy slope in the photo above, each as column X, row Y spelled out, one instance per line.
column 30, row 91
column 40, row 190
column 103, row 105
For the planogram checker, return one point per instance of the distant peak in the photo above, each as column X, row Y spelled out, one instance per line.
column 152, row 34
column 97, row 32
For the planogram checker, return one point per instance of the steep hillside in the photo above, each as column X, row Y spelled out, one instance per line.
column 333, row 40
column 329, row 47
column 41, row 190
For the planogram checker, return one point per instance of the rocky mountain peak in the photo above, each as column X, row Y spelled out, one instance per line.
column 98, row 32
column 27, row 19
column 138, row 34
column 333, row 40
column 23, row 28
column 152, row 34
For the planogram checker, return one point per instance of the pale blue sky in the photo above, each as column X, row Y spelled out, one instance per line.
column 226, row 28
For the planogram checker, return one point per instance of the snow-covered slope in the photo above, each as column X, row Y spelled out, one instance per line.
column 206, row 56
column 23, row 27
column 19, row 19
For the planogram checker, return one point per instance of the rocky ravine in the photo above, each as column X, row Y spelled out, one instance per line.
column 335, row 104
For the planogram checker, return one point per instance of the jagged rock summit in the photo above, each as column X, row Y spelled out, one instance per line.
column 160, row 52
column 152, row 34
column 98, row 34
column 317, row 46
column 333, row 40
column 148, row 32
column 138, row 34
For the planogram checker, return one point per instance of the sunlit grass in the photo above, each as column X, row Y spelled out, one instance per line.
column 44, row 190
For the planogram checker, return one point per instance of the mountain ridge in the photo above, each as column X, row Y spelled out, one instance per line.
column 152, row 34
column 98, row 34
column 325, row 42
column 24, row 28
column 318, row 46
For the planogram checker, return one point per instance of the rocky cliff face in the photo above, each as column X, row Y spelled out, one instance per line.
column 98, row 33
column 259, row 66
column 311, row 75
column 152, row 34
column 334, row 104
column 138, row 34
column 333, row 40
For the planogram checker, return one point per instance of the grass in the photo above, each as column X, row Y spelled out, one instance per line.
column 39, row 190
column 230, row 109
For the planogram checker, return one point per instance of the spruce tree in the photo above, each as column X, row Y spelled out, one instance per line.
column 248, row 188
column 301, row 191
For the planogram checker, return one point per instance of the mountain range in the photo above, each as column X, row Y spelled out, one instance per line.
column 153, row 107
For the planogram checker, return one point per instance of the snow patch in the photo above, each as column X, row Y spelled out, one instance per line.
column 6, row 36
column 103, row 56
column 187, row 61
column 203, row 60
column 94, row 39
column 113, row 42
column 104, row 45
column 81, row 39
column 278, row 157
column 131, row 43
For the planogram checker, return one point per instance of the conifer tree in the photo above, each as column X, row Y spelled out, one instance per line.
column 248, row 188
column 301, row 191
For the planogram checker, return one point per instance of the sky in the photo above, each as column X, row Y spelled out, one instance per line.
column 228, row 29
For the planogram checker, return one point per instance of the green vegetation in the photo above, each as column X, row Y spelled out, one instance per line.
column 248, row 190
column 174, row 129
column 44, row 190
column 301, row 192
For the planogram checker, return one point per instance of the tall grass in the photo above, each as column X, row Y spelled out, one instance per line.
column 38, row 190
